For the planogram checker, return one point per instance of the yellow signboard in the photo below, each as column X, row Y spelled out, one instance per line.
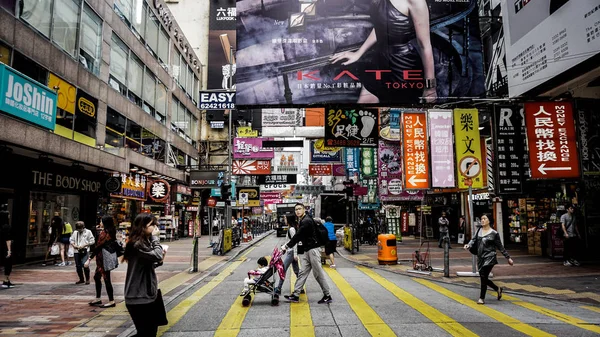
column 469, row 164
column 67, row 94
column 247, row 132
column 226, row 240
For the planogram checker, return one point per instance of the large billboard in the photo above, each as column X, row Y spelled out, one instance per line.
column 365, row 51
column 545, row 38
column 222, row 19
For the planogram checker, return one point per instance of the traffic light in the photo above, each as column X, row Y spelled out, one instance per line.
column 225, row 191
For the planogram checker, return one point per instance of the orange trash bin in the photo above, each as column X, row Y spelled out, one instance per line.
column 387, row 252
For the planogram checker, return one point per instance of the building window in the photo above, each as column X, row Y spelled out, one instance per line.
column 135, row 78
column 133, row 136
column 30, row 68
column 178, row 67
column 161, row 103
column 174, row 116
column 64, row 27
column 150, row 88
column 90, row 44
column 84, row 128
column 115, row 129
column 4, row 54
column 152, row 32
column 163, row 47
column 118, row 64
column 196, row 90
column 124, row 9
column 139, row 21
column 38, row 14
column 152, row 146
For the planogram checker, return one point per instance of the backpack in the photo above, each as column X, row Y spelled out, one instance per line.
column 321, row 234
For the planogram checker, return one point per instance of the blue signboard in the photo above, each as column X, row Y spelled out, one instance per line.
column 215, row 192
column 27, row 99
column 352, row 159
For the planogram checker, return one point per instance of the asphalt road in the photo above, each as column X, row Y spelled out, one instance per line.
column 367, row 302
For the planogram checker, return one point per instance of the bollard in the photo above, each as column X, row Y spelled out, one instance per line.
column 447, row 256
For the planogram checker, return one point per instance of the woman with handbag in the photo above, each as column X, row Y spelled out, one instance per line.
column 484, row 245
column 143, row 254
column 106, row 238
column 81, row 240
column 56, row 227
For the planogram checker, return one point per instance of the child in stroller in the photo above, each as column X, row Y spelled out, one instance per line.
column 260, row 279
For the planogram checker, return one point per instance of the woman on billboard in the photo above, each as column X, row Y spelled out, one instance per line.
column 406, row 70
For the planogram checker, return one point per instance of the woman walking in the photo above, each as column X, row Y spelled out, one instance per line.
column 143, row 253
column 65, row 243
column 106, row 239
column 487, row 240
column 55, row 229
column 291, row 256
column 330, row 247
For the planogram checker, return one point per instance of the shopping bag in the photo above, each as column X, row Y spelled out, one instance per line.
column 71, row 251
column 109, row 260
column 159, row 310
column 55, row 249
column 461, row 238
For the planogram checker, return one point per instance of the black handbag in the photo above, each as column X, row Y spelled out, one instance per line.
column 474, row 248
column 159, row 310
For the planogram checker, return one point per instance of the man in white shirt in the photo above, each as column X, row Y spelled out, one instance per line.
column 81, row 240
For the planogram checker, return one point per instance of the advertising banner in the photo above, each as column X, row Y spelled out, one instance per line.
column 281, row 117
column 390, row 171
column 368, row 162
column 253, row 193
column 351, row 127
column 546, row 38
column 250, row 148
column 132, row 187
column 221, row 40
column 469, row 163
column 205, row 178
column 276, row 187
column 508, row 142
column 416, row 158
column 339, row 170
column 589, row 137
column 27, row 99
column 286, row 162
column 276, row 179
column 246, row 132
column 389, row 124
column 442, row 149
column 551, row 140
column 304, row 52
column 86, row 104
column 352, row 158
column 319, row 156
column 258, row 167
column 319, row 169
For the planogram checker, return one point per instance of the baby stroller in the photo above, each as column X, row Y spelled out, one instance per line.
column 422, row 260
column 260, row 280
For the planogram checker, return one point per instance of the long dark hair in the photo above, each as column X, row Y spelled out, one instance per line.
column 109, row 226
column 57, row 225
column 489, row 216
column 136, row 234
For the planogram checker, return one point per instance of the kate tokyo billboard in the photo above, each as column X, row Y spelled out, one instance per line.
column 304, row 52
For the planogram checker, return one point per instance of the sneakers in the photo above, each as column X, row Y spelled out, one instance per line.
column 7, row 284
column 325, row 299
column 567, row 264
column 302, row 291
column 62, row 264
column 332, row 266
column 69, row 263
column 292, row 298
column 575, row 262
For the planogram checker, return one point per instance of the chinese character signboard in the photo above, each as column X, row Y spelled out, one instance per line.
column 24, row 98
column 416, row 160
column 551, row 140
column 352, row 158
column 250, row 148
column 132, row 187
column 246, row 132
column 276, row 179
column 468, row 148
column 508, row 125
column 325, row 155
column 390, row 171
column 158, row 190
column 368, row 164
column 350, row 127
column 589, row 136
column 258, row 167
column 286, row 162
column 319, row 170
column 442, row 154
column 281, row 117
column 284, row 44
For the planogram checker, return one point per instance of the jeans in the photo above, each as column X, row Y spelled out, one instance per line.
column 484, row 274
column 98, row 275
column 288, row 259
column 80, row 260
column 141, row 315
column 311, row 260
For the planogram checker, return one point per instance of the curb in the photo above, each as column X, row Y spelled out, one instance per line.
column 444, row 281
column 171, row 299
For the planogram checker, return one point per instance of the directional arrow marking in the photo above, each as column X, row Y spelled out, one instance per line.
column 413, row 180
column 543, row 169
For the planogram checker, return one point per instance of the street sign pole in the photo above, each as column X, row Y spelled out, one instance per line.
column 473, row 272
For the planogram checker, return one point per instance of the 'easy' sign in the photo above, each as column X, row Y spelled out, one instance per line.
column 217, row 97
column 25, row 98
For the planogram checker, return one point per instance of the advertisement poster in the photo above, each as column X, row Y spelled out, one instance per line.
column 552, row 140
column 276, row 179
column 281, row 117
column 351, row 127
column 339, row 170
column 589, row 137
column 546, row 38
column 221, row 35
column 253, row 193
column 390, row 171
column 317, row 170
column 368, row 164
column 508, row 138
column 442, row 149
column 320, row 156
column 415, row 150
column 352, row 159
column 389, row 124
column 469, row 163
column 286, row 162
column 250, row 148
column 258, row 167
column 292, row 52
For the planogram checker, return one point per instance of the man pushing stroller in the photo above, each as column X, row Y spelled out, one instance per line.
column 309, row 254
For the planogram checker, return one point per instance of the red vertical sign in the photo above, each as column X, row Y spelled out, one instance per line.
column 404, row 222
column 551, row 139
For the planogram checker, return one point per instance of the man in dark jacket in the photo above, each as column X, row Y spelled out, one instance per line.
column 6, row 245
column 310, row 256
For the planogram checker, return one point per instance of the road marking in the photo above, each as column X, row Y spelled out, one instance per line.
column 369, row 318
column 445, row 322
column 554, row 314
column 301, row 323
column 495, row 314
column 596, row 309
column 175, row 314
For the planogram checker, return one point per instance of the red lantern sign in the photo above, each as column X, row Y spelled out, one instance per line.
column 212, row 202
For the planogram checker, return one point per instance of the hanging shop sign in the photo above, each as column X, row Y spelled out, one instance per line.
column 211, row 202
column 210, row 100
column 339, row 170
column 322, row 156
column 113, row 184
column 182, row 189
column 86, row 104
column 286, row 162
column 320, row 145
column 257, row 167
column 252, row 193
column 368, row 164
column 309, row 189
column 390, row 171
column 351, row 127
column 508, row 143
column 281, row 117
column 27, row 99
column 270, row 195
column 158, row 190
column 416, row 161
column 551, row 140
column 246, row 132
column 589, row 137
column 132, row 187
column 468, row 148
column 276, row 179
column 352, row 159
column 276, row 187
column 370, row 197
column 250, row 148
column 316, row 170
column 205, row 178
column 313, row 31
column 442, row 149
column 217, row 124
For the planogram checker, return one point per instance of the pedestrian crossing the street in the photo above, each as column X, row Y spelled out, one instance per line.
column 371, row 302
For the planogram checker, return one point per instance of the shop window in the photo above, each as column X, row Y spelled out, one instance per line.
column 64, row 123
column 149, row 88
column 118, row 64
column 133, row 136
column 37, row 14
column 4, row 54
column 115, row 129
column 30, row 68
column 152, row 32
column 64, row 26
column 163, row 47
column 90, row 44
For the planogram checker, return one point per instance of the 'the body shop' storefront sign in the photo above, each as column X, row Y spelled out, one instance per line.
column 65, row 182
